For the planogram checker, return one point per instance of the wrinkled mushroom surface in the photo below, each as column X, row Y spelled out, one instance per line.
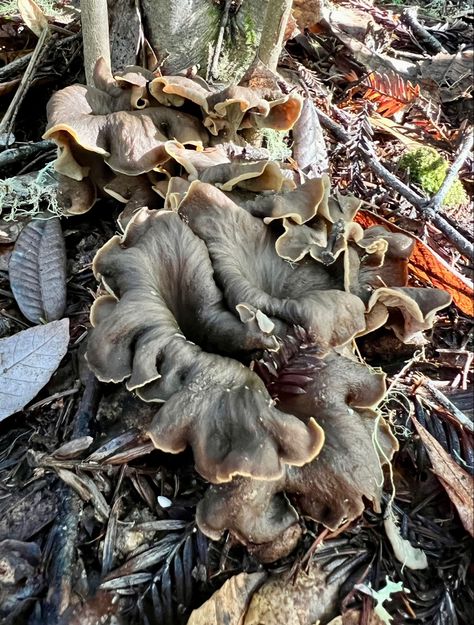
column 234, row 295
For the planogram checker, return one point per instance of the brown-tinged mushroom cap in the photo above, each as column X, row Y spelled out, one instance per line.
column 131, row 142
column 163, row 297
column 136, row 192
column 300, row 205
column 195, row 162
column 255, row 275
column 408, row 310
column 256, row 176
column 75, row 197
column 331, row 488
column 379, row 258
column 175, row 90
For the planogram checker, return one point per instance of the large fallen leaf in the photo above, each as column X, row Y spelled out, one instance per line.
column 306, row 600
column 27, row 361
column 457, row 482
column 33, row 16
column 37, row 270
column 428, row 267
column 229, row 604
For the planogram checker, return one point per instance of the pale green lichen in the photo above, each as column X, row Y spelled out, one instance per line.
column 20, row 200
column 275, row 142
column 428, row 169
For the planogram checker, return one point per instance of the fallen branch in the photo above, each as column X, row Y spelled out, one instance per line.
column 465, row 247
column 66, row 530
column 16, row 155
column 448, row 405
column 410, row 18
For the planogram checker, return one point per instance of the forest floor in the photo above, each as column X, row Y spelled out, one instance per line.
column 94, row 524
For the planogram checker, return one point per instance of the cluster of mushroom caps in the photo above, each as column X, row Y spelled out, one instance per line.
column 233, row 298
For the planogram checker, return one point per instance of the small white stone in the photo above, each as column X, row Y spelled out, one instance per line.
column 164, row 502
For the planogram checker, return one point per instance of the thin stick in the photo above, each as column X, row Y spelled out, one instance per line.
column 14, row 155
column 410, row 18
column 15, row 67
column 419, row 202
column 448, row 404
column 466, row 148
column 12, row 110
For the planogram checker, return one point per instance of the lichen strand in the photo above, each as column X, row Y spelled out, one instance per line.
column 428, row 168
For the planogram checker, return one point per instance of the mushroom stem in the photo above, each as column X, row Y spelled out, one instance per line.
column 276, row 18
column 95, row 35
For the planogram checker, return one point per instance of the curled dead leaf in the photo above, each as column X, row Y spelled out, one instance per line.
column 228, row 605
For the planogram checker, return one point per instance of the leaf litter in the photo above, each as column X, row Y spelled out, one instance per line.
column 155, row 566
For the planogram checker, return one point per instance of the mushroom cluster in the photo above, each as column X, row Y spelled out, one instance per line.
column 233, row 298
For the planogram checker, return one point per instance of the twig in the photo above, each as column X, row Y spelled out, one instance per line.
column 466, row 148
column 276, row 18
column 420, row 203
column 220, row 38
column 14, row 155
column 66, row 530
column 15, row 67
column 12, row 110
column 448, row 404
column 410, row 18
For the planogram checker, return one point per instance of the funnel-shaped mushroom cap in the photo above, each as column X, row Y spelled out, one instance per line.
column 330, row 489
column 163, row 297
column 175, row 90
column 130, row 141
column 253, row 274
column 407, row 310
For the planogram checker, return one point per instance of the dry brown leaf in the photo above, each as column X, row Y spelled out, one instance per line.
column 399, row 131
column 458, row 484
column 228, row 605
column 37, row 270
column 33, row 16
column 7, row 87
column 353, row 617
column 307, row 13
column 305, row 601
